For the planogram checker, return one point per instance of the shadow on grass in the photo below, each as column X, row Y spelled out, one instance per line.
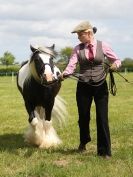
column 72, row 151
column 12, row 142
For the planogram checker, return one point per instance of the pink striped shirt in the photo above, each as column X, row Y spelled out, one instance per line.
column 108, row 52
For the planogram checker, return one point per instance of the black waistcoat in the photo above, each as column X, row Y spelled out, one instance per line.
column 92, row 71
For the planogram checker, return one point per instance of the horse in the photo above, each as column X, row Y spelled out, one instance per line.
column 39, row 83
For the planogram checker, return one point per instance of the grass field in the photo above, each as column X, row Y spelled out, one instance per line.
column 17, row 159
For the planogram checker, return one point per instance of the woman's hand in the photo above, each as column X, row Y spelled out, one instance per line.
column 113, row 67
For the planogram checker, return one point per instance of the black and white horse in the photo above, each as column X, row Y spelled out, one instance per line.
column 39, row 85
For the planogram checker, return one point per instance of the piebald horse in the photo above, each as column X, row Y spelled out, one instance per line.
column 39, row 83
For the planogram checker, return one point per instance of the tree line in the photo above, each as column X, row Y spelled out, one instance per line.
column 8, row 59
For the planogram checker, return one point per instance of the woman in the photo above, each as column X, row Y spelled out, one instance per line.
column 91, row 54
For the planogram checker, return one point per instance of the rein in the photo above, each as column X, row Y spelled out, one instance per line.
column 126, row 80
column 112, row 84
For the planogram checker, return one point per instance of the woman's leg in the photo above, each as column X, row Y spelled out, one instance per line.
column 84, row 100
column 103, row 133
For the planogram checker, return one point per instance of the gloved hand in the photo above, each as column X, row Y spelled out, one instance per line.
column 113, row 67
column 63, row 76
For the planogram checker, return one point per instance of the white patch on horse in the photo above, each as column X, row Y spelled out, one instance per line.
column 56, row 72
column 23, row 74
column 48, row 72
column 45, row 57
column 47, row 69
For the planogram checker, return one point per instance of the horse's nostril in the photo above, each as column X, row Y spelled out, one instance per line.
column 57, row 73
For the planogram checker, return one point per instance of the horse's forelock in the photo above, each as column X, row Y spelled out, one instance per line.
column 53, row 51
column 48, row 50
column 42, row 49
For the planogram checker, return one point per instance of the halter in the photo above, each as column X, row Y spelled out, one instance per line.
column 53, row 55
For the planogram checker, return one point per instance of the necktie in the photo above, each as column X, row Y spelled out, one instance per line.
column 91, row 55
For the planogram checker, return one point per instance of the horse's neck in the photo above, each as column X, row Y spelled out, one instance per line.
column 33, row 72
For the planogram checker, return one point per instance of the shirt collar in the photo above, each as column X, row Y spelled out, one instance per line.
column 93, row 43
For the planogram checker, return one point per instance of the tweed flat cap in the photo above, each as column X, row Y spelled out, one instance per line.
column 84, row 26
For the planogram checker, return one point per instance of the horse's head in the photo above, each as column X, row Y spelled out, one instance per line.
column 41, row 64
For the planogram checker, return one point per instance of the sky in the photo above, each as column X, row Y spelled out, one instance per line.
column 46, row 22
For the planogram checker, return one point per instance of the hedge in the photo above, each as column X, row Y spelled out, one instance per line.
column 9, row 70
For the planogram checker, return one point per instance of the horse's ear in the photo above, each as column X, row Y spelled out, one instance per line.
column 53, row 46
column 33, row 49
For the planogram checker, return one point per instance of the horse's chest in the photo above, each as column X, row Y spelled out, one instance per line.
column 36, row 93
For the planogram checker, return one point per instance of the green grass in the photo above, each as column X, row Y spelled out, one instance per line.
column 18, row 159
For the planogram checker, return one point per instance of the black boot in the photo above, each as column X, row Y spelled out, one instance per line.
column 82, row 147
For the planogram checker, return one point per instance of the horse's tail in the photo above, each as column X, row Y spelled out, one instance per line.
column 59, row 113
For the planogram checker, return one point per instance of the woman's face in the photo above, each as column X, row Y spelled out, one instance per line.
column 85, row 37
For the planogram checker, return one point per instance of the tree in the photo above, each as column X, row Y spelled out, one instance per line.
column 65, row 54
column 7, row 59
column 127, row 64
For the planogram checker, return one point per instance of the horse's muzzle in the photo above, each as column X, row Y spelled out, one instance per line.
column 48, row 80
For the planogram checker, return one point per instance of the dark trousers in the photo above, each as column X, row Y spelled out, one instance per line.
column 84, row 96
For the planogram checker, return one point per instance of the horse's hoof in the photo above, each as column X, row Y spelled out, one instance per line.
column 34, row 121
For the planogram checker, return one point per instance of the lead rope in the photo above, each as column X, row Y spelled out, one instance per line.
column 112, row 85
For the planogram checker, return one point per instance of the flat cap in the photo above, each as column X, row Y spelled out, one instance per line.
column 84, row 26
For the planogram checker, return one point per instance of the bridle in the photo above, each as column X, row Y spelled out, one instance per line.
column 49, row 84
column 51, row 64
